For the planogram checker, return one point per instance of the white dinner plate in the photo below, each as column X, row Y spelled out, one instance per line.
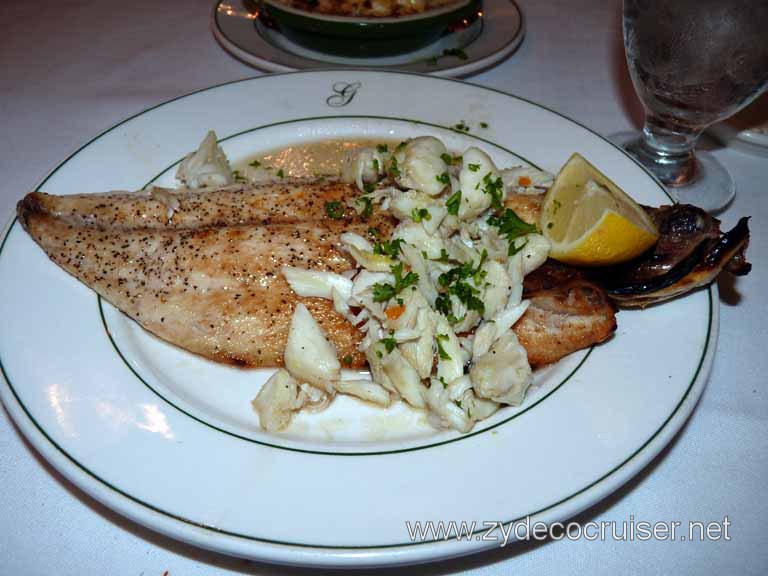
column 487, row 42
column 169, row 439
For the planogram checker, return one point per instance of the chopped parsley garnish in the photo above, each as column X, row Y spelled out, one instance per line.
column 237, row 176
column 394, row 171
column 382, row 148
column 557, row 205
column 461, row 127
column 347, row 360
column 367, row 203
column 334, row 210
column 389, row 248
column 255, row 163
column 451, row 160
column 458, row 52
column 511, row 226
column 464, row 272
column 444, row 178
column 549, row 225
column 453, row 203
column 443, row 305
column 473, row 167
column 280, row 173
column 400, row 146
column 513, row 249
column 483, row 124
column 455, row 281
column 389, row 343
column 494, row 187
column 369, row 187
column 384, row 292
column 440, row 350
column 376, row 165
column 374, row 231
column 444, row 257
column 419, row 214
column 467, row 295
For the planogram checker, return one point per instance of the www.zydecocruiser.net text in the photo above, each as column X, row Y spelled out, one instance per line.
column 628, row 530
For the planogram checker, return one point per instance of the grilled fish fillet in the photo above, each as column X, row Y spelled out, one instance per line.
column 567, row 312
column 201, row 269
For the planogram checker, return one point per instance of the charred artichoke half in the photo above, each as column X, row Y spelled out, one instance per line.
column 690, row 253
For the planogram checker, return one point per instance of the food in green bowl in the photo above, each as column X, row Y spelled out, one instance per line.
column 367, row 28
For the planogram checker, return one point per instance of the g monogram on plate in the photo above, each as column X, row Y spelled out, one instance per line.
column 343, row 93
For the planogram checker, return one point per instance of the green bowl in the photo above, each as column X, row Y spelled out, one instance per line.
column 366, row 37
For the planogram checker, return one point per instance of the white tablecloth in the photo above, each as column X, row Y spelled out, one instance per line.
column 69, row 69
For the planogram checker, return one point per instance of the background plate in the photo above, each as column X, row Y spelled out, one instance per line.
column 158, row 450
column 748, row 129
column 486, row 43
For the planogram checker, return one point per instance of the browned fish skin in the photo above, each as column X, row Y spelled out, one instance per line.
column 213, row 288
column 526, row 206
column 208, row 279
column 293, row 200
column 567, row 313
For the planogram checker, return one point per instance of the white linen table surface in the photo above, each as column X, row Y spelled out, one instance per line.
column 69, row 69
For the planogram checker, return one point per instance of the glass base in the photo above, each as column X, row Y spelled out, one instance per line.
column 712, row 187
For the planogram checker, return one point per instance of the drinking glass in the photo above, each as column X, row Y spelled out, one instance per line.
column 692, row 63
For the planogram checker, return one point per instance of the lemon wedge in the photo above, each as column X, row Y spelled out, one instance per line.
column 590, row 221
